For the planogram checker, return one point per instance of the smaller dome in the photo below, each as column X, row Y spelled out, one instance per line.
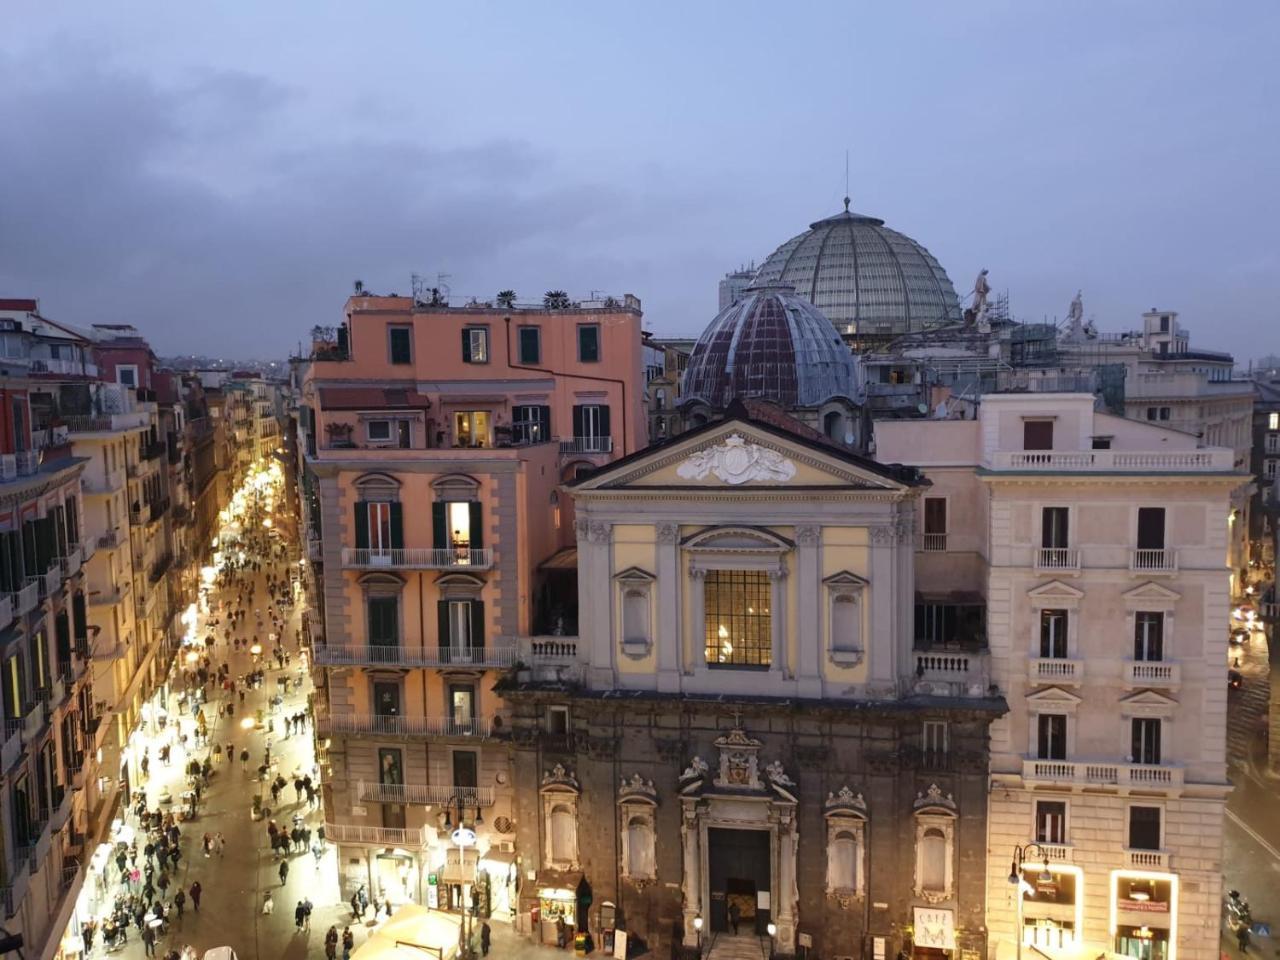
column 770, row 345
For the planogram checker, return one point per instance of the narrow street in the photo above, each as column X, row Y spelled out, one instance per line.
column 234, row 884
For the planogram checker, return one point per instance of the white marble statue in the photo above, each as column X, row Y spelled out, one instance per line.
column 737, row 461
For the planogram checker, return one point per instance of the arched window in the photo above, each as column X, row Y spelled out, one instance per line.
column 635, row 616
column 660, row 395
column 639, row 847
column 933, row 861
column 842, row 862
column 564, row 834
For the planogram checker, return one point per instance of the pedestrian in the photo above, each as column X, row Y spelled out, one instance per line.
column 284, row 871
column 244, row 757
column 231, row 753
column 299, row 915
column 196, row 891
column 307, row 906
column 297, row 788
column 331, row 944
column 355, row 906
column 348, row 943
column 485, row 936
column 180, row 901
column 317, row 851
column 148, row 941
column 268, row 905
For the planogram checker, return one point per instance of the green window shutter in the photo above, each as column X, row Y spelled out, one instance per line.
column 466, row 347
column 397, row 526
column 475, row 518
column 362, row 525
column 439, row 535
column 604, row 422
column 442, row 624
column 477, row 624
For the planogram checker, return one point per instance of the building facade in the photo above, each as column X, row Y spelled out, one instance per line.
column 1093, row 548
column 434, row 441
column 743, row 734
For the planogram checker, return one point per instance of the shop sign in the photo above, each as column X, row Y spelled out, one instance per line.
column 1143, row 906
column 935, row 928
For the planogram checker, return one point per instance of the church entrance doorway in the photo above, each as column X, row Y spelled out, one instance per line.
column 739, row 869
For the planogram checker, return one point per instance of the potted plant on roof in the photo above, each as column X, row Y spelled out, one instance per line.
column 555, row 300
column 339, row 434
column 506, row 299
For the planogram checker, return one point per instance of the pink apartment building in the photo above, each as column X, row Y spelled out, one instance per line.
column 443, row 552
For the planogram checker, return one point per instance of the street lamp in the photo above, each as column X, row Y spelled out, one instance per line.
column 697, row 925
column 772, row 930
column 1020, row 855
column 463, row 836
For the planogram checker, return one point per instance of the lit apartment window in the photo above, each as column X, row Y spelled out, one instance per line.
column 1053, row 634
column 1145, row 739
column 1273, row 421
column 530, row 423
column 1148, row 636
column 589, row 342
column 397, row 432
column 471, row 428
column 530, row 339
column 738, row 628
column 457, row 526
column 1051, row 821
column 475, row 344
column 400, row 344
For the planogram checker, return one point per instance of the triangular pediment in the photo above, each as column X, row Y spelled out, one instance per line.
column 635, row 575
column 845, row 578
column 739, row 454
column 1151, row 592
column 1055, row 590
column 737, row 538
column 1148, row 698
column 1053, row 695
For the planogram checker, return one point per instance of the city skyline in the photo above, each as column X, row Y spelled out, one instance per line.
column 257, row 181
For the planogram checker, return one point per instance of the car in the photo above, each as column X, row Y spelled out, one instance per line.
column 1235, row 679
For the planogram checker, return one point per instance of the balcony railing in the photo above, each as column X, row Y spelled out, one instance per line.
column 1057, row 559
column 51, row 580
column 28, row 598
column 1051, row 461
column 1148, row 673
column 88, row 547
column 1088, row 773
column 108, row 483
column 109, row 540
column 1147, row 859
column 336, row 655
column 358, row 723
column 15, row 465
column 457, row 558
column 1055, row 670
column 70, row 564
column 950, row 674
column 405, row 837
column 586, row 445
column 425, row 793
column 109, row 596
column 1153, row 561
column 934, row 542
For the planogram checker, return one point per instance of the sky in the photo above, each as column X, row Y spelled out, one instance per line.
column 220, row 174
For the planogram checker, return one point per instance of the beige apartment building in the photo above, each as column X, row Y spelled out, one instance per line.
column 1088, row 552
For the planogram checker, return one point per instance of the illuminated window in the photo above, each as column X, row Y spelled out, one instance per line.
column 739, row 631
column 471, row 428
column 475, row 345
column 1273, row 421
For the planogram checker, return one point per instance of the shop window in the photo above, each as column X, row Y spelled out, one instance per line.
column 738, row 628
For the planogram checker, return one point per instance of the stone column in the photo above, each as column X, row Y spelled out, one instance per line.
column 882, row 655
column 809, row 615
column 778, row 623
column 691, row 880
column 784, row 901
column 691, row 660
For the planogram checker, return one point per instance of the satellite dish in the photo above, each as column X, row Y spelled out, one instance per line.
column 922, row 407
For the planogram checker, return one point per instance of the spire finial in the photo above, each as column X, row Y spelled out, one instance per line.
column 846, row 204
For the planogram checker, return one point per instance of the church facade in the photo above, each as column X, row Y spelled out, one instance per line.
column 745, row 742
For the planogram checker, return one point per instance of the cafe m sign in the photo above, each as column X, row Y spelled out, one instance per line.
column 935, row 928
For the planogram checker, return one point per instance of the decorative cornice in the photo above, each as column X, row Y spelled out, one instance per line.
column 637, row 790
column 845, row 803
column 559, row 779
column 933, row 799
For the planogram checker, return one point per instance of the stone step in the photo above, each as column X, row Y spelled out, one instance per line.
column 727, row 946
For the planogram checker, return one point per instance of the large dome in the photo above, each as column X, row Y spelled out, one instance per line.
column 770, row 345
column 866, row 278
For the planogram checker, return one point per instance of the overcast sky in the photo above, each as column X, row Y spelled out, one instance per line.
column 219, row 174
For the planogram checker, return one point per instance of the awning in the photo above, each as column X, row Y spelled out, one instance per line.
column 565, row 559
column 503, row 857
column 379, row 398
column 548, row 879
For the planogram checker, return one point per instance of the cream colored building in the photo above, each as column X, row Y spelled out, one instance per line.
column 1096, row 545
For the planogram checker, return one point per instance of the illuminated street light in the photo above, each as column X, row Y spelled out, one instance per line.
column 246, row 723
